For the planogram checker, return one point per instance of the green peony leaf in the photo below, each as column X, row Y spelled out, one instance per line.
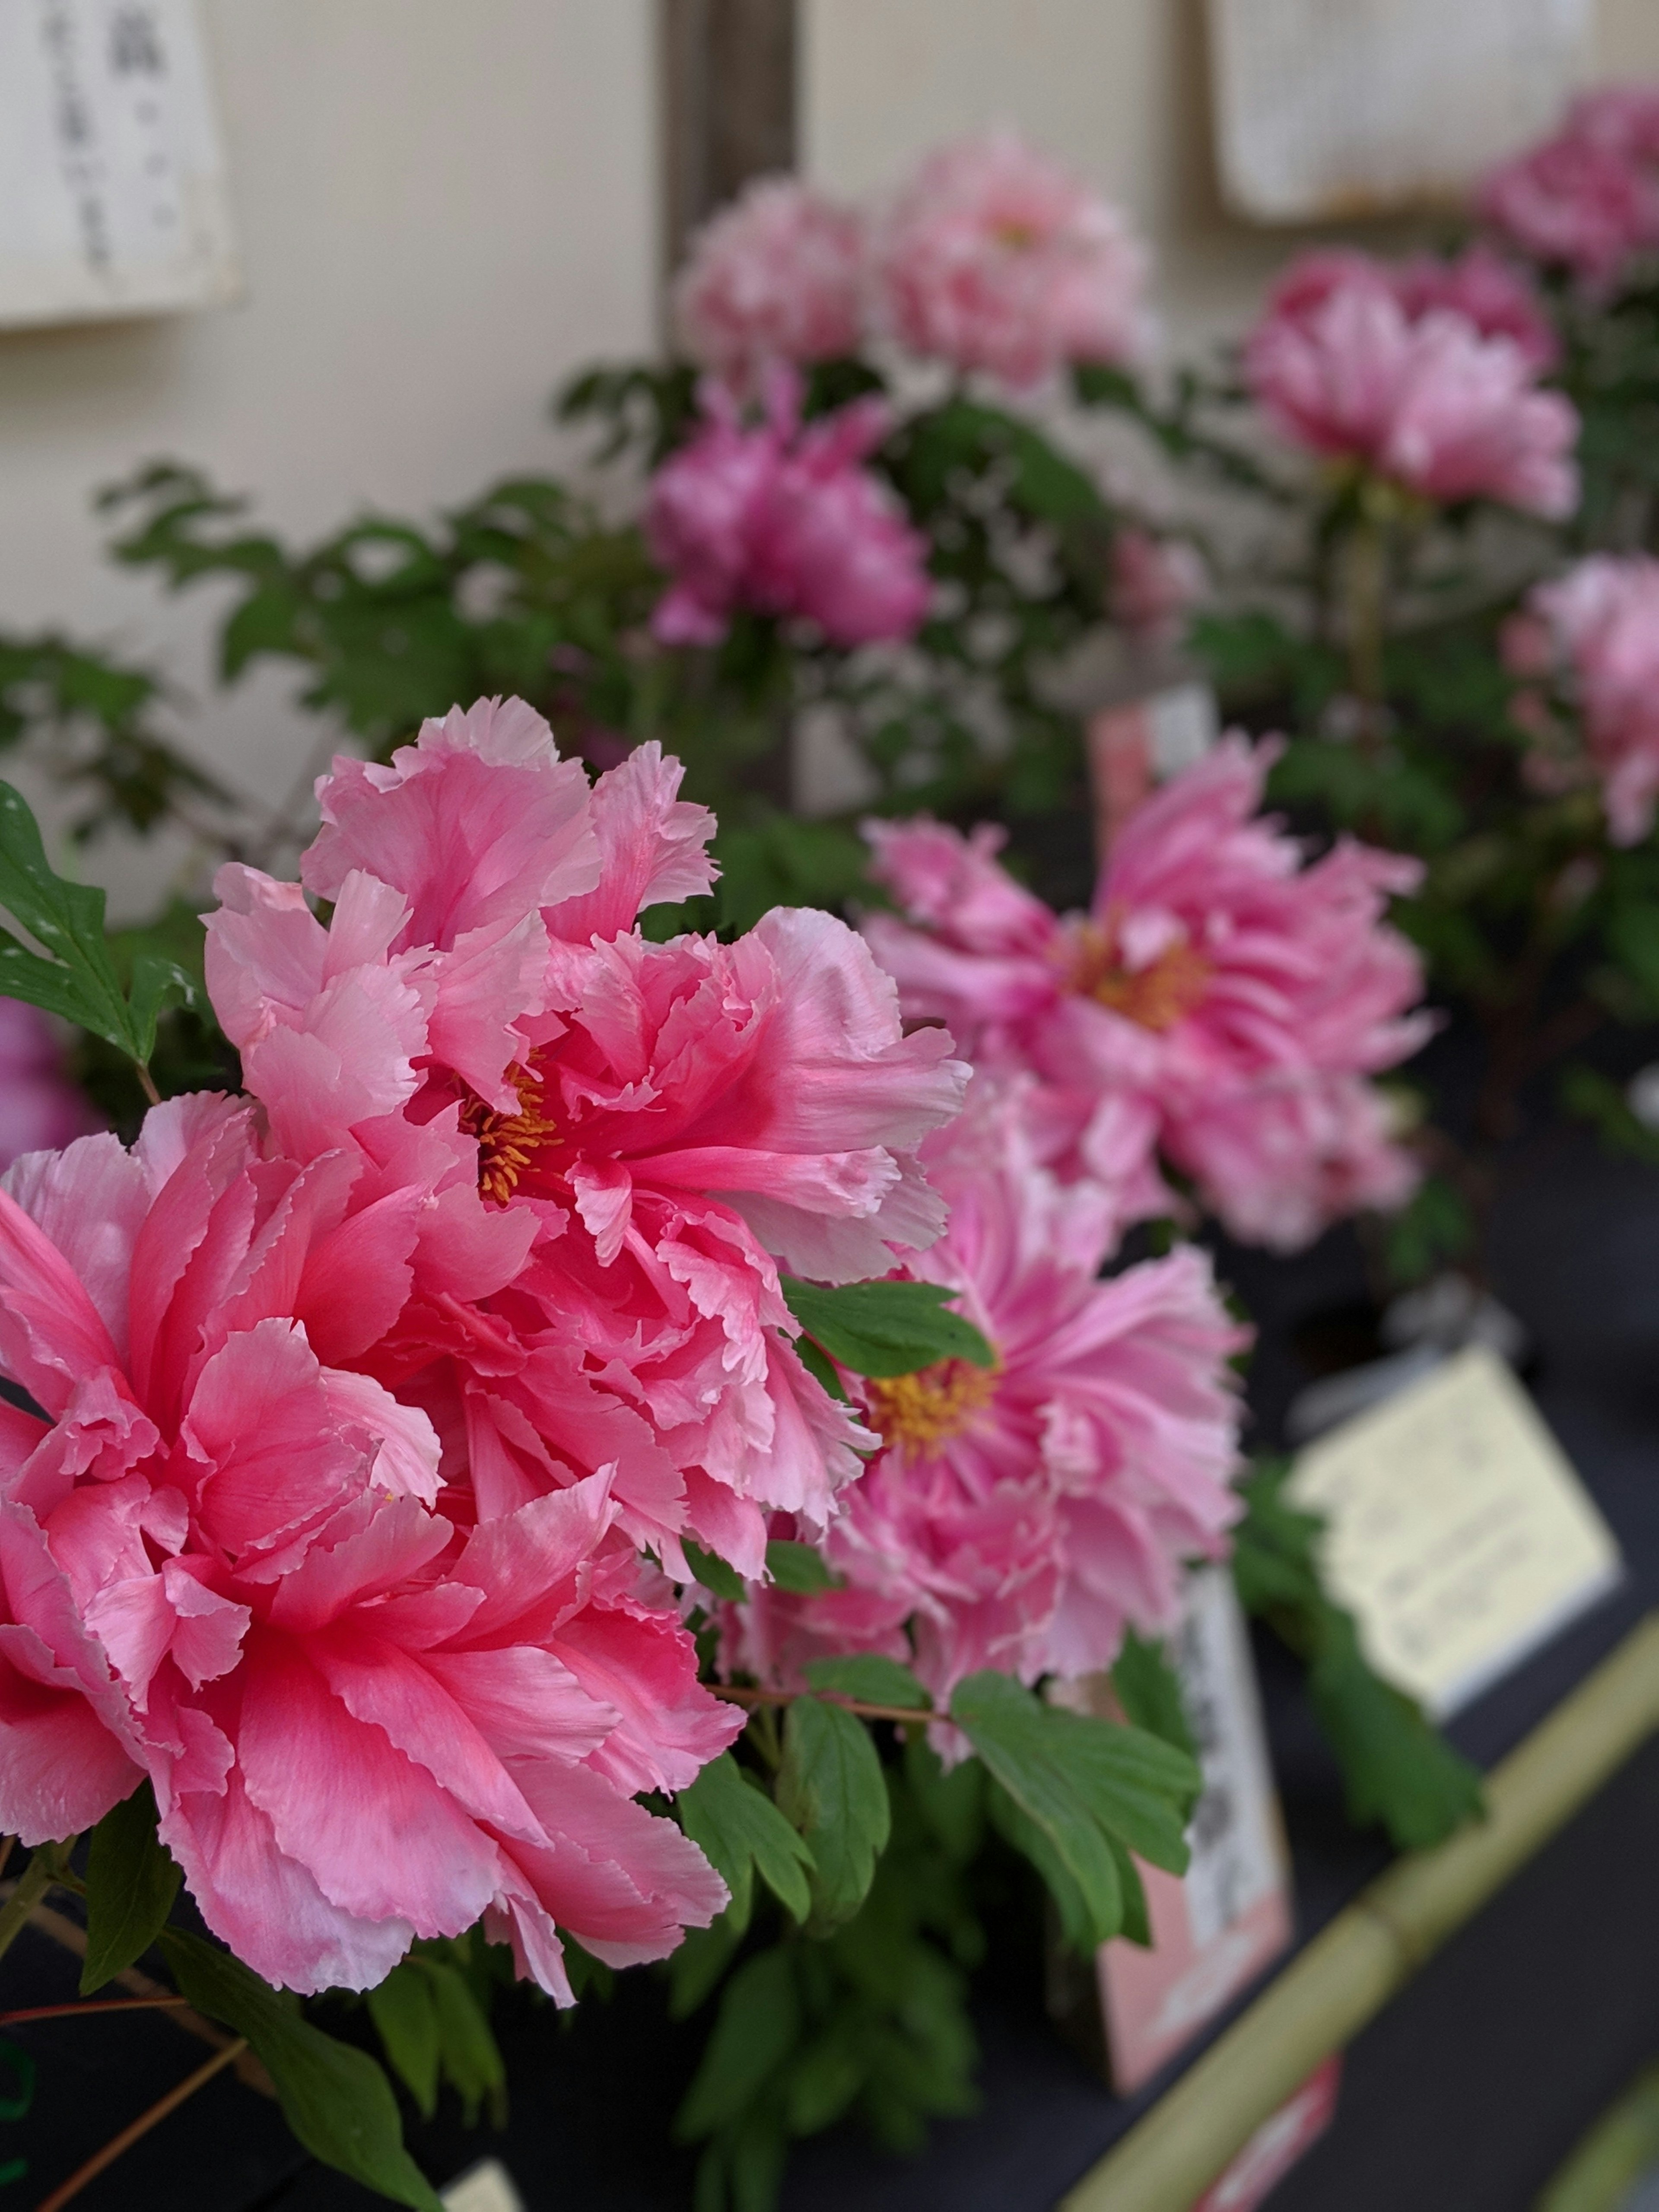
column 830, row 1787
column 334, row 2097
column 886, row 1328
column 131, row 1882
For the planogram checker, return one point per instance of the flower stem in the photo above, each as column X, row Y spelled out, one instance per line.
column 85, row 2005
column 142, row 2126
column 866, row 1712
column 1367, row 585
column 43, row 1869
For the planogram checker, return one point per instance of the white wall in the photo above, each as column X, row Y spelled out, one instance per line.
column 445, row 204
column 1118, row 88
column 442, row 208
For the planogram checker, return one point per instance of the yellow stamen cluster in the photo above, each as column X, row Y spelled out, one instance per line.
column 1155, row 996
column 509, row 1142
column 920, row 1413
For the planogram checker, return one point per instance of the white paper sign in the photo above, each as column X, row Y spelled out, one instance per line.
column 1339, row 109
column 112, row 195
column 1459, row 1535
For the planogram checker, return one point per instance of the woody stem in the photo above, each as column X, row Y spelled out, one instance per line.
column 865, row 1712
column 36, row 1878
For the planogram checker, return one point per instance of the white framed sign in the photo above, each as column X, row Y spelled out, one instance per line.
column 112, row 198
column 1337, row 108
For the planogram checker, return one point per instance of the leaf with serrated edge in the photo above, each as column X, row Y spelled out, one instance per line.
column 741, row 1830
column 830, row 1787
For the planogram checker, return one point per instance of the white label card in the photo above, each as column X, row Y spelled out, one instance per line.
column 112, row 181
column 1339, row 109
column 1459, row 1535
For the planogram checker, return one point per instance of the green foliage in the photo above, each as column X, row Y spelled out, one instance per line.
column 798, row 1567
column 1434, row 1227
column 830, row 1787
column 884, row 1329
column 869, row 1677
column 1593, row 1097
column 1149, row 1690
column 74, row 975
column 1078, row 1794
column 132, row 1882
column 743, row 1833
column 1398, row 1768
column 334, row 2097
column 432, row 2028
column 712, row 1572
column 868, row 2020
column 90, row 723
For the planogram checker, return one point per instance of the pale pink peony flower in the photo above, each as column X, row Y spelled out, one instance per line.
column 783, row 520
column 1154, row 584
column 617, row 1141
column 1596, row 630
column 1221, row 1003
column 1021, row 1516
column 1343, row 366
column 1586, row 199
column 232, row 1560
column 39, row 1107
column 996, row 258
column 778, row 276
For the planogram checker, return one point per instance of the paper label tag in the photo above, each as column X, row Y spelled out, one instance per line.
column 1278, row 2143
column 112, row 181
column 1459, row 1535
column 1333, row 111
column 1214, row 1929
column 484, row 2188
column 1143, row 742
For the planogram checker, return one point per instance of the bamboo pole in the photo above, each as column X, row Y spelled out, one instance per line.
column 1367, row 1954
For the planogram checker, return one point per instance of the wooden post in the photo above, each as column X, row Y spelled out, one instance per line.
column 728, row 95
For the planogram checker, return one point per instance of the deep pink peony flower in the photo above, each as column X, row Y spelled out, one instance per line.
column 1020, row 1516
column 1496, row 296
column 783, row 520
column 1596, row 631
column 1154, row 584
column 777, row 277
column 232, row 1560
column 610, row 1144
column 1343, row 364
column 39, row 1107
column 996, row 258
column 1586, row 199
column 1221, row 1003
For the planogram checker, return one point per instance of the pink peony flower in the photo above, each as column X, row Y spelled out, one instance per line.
column 232, row 1560
column 1221, row 1003
column 1492, row 293
column 1155, row 583
column 40, row 1107
column 777, row 277
column 1586, row 200
column 609, row 1145
column 1342, row 365
column 783, row 520
column 996, row 258
column 1020, row 1516
column 1597, row 629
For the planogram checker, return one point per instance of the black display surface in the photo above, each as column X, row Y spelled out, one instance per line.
column 1460, row 2097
